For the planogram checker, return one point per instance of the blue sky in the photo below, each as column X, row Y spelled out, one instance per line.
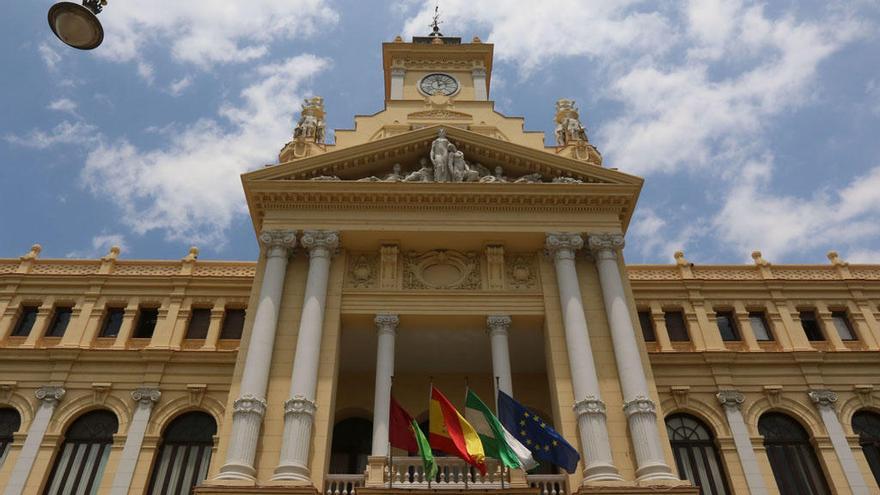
column 756, row 125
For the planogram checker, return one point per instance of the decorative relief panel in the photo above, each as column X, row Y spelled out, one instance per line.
column 363, row 270
column 442, row 269
column 522, row 271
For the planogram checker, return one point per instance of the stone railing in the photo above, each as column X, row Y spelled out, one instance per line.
column 549, row 484
column 342, row 484
column 408, row 472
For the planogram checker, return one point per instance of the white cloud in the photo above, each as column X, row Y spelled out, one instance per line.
column 49, row 55
column 100, row 246
column 176, row 88
column 206, row 34
column 867, row 256
column 66, row 132
column 63, row 105
column 146, row 71
column 190, row 188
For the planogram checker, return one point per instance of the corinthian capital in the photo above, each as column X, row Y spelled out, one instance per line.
column 50, row 394
column 730, row 398
column 605, row 243
column 498, row 323
column 278, row 242
column 562, row 245
column 386, row 322
column 320, row 242
column 823, row 398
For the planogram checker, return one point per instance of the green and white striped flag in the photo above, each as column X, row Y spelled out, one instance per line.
column 497, row 441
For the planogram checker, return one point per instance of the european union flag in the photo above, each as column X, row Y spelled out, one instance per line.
column 533, row 432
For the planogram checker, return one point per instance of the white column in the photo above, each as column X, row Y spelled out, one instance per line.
column 588, row 406
column 144, row 399
column 498, row 328
column 48, row 397
column 249, row 408
column 732, row 401
column 397, row 74
column 299, row 410
column 824, row 401
column 480, row 91
column 640, row 410
column 386, row 327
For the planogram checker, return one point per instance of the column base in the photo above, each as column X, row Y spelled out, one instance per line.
column 237, row 472
column 255, row 490
column 447, row 491
column 658, row 473
column 601, row 473
column 637, row 490
column 292, row 472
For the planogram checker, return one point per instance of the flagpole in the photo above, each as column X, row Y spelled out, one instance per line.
column 467, row 467
column 430, row 391
column 498, row 387
column 390, row 454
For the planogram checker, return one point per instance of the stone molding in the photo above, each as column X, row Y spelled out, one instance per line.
column 50, row 394
column 146, row 395
column 731, row 398
column 639, row 405
column 300, row 405
column 249, row 404
column 823, row 398
column 589, row 405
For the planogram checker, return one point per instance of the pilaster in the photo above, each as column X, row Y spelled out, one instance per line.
column 144, row 398
column 731, row 401
column 824, row 401
column 48, row 398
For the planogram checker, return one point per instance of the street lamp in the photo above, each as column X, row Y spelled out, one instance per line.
column 78, row 25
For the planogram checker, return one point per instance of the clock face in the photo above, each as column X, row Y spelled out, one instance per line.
column 443, row 84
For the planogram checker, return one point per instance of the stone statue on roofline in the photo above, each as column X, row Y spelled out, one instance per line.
column 571, row 134
column 311, row 126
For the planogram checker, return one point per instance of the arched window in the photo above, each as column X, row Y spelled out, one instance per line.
column 352, row 444
column 184, row 454
column 696, row 455
column 10, row 422
column 79, row 465
column 792, row 457
column 866, row 424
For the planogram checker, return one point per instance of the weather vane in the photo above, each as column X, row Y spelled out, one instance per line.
column 435, row 25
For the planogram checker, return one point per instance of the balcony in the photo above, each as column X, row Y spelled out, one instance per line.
column 407, row 473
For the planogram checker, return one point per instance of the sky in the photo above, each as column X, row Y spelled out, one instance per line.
column 756, row 125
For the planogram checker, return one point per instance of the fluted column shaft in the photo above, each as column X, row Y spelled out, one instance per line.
column 588, row 406
column 824, row 401
column 386, row 326
column 639, row 408
column 144, row 398
column 498, row 338
column 48, row 397
column 299, row 410
column 250, row 407
column 731, row 401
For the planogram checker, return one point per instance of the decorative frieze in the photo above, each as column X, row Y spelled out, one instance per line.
column 442, row 269
column 522, row 271
column 363, row 270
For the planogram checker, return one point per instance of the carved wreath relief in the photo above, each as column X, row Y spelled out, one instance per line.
column 441, row 269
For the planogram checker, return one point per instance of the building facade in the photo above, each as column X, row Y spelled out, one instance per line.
column 436, row 242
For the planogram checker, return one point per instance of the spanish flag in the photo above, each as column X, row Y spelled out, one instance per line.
column 451, row 433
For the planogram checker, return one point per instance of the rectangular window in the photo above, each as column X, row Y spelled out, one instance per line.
column 727, row 326
column 198, row 323
column 759, row 326
column 112, row 322
column 146, row 323
column 842, row 325
column 60, row 320
column 647, row 326
column 25, row 321
column 676, row 327
column 233, row 323
column 811, row 326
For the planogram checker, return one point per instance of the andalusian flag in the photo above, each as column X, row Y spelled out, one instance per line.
column 497, row 441
column 404, row 433
column 452, row 434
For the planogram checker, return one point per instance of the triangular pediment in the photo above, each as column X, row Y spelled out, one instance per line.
column 411, row 149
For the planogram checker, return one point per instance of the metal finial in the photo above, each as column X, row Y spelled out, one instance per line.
column 435, row 24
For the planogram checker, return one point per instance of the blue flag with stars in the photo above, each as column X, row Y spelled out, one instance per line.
column 545, row 443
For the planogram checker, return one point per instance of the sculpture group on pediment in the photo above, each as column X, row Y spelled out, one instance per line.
column 568, row 124
column 310, row 126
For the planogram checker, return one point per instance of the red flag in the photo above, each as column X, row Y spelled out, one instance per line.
column 400, row 433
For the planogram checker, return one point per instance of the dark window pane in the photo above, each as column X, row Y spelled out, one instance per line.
column 759, row 326
column 10, row 422
column 233, row 323
column 184, row 454
column 112, row 322
column 696, row 455
column 352, row 439
column 60, row 320
column 146, row 323
column 647, row 326
column 727, row 326
column 25, row 321
column 866, row 425
column 198, row 323
column 675, row 326
column 811, row 326
column 792, row 458
column 80, row 463
column 842, row 325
